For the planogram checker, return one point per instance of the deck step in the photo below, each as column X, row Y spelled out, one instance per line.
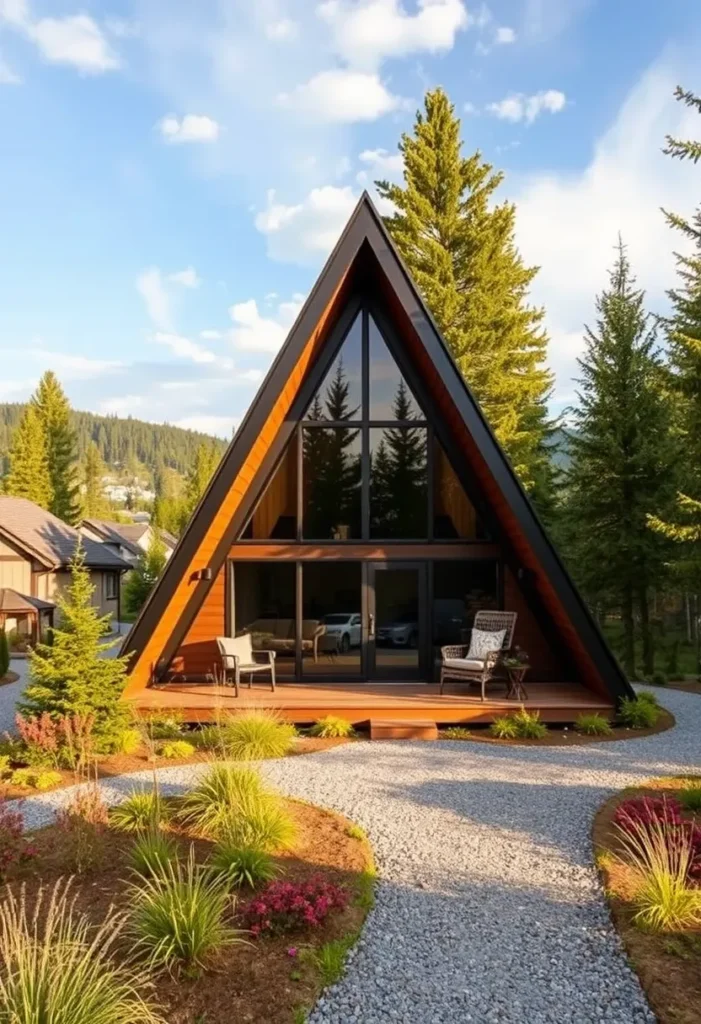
column 396, row 729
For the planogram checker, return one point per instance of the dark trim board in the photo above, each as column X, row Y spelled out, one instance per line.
column 365, row 263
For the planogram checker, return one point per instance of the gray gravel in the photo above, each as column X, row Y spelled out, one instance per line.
column 488, row 907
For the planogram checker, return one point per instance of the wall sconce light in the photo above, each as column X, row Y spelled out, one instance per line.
column 202, row 574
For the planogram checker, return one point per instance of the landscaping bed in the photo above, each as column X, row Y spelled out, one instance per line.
column 665, row 954
column 9, row 677
column 275, row 977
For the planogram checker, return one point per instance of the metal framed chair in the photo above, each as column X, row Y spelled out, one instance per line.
column 455, row 663
column 237, row 658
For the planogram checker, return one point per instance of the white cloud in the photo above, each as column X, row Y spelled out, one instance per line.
column 76, row 40
column 368, row 32
column 343, row 96
column 253, row 332
column 504, row 36
column 150, row 286
column 303, row 232
column 222, row 426
column 567, row 223
column 122, row 405
column 184, row 348
column 7, row 75
column 382, row 162
column 73, row 367
column 519, row 107
column 190, row 128
column 187, row 278
column 282, row 29
column 121, row 28
column 470, row 108
column 210, row 335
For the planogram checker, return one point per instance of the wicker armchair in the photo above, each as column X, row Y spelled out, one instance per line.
column 456, row 665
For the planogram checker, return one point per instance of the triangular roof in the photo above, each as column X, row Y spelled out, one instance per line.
column 364, row 252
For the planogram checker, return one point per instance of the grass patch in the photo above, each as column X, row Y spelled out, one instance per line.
column 593, row 724
column 503, row 728
column 142, row 810
column 456, row 732
column 174, row 749
column 151, row 853
column 664, row 899
column 210, row 805
column 237, row 866
column 331, row 727
column 257, row 736
column 356, row 832
column 638, row 712
column 330, row 959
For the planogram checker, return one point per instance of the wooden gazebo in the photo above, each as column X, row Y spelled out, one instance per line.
column 35, row 615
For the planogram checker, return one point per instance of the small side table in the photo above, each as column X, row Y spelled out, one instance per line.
column 515, row 688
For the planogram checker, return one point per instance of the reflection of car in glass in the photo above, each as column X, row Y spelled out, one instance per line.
column 403, row 632
column 346, row 629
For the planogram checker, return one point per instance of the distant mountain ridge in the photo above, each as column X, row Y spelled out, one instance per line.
column 121, row 440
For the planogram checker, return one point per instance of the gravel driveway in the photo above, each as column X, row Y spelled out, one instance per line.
column 489, row 909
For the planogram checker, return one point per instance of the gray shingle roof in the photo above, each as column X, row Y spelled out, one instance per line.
column 49, row 539
column 117, row 533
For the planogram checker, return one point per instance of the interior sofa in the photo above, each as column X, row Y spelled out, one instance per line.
column 279, row 635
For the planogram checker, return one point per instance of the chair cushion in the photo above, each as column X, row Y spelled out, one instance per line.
column 466, row 664
column 482, row 642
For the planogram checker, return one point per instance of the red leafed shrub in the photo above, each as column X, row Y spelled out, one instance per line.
column 40, row 737
column 14, row 846
column 646, row 812
column 288, row 906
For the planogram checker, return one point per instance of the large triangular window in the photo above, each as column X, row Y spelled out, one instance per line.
column 390, row 396
column 340, row 396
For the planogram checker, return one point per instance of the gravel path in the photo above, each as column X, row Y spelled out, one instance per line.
column 489, row 909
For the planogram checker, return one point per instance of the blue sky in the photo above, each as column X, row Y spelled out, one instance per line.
column 173, row 174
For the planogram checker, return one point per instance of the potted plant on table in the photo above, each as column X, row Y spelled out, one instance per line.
column 515, row 657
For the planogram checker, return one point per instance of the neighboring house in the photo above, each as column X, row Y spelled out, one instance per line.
column 35, row 552
column 128, row 540
column 365, row 486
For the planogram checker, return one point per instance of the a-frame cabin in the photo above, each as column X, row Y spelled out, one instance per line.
column 361, row 516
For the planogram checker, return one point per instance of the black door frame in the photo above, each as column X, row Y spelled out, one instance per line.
column 371, row 670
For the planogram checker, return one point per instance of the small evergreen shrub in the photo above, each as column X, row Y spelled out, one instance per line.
column 503, row 728
column 57, row 966
column 178, row 917
column 242, row 865
column 4, row 654
column 290, row 906
column 15, row 847
column 331, row 727
column 637, row 713
column 152, row 852
column 258, row 736
column 593, row 724
column 174, row 749
column 139, row 812
column 529, row 725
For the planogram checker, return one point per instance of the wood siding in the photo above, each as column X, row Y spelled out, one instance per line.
column 197, row 655
column 15, row 569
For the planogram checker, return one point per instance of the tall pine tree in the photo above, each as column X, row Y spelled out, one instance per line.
column 55, row 413
column 684, row 345
column 460, row 249
column 623, row 455
column 206, row 461
column 141, row 581
column 93, row 499
column 29, row 467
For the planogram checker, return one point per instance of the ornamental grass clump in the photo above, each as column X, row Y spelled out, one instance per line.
column 290, row 906
column 242, row 865
column 503, row 728
column 142, row 810
column 593, row 724
column 332, row 727
column 665, row 898
column 174, row 749
column 82, row 823
column 638, row 712
column 152, row 852
column 529, row 725
column 257, row 736
column 263, row 823
column 15, row 847
column 210, row 805
column 56, row 966
column 178, row 917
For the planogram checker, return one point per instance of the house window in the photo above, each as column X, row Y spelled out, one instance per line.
column 111, row 586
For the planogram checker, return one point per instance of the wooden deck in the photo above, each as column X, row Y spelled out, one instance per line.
column 360, row 702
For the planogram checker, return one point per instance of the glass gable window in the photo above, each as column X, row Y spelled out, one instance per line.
column 264, row 606
column 331, row 472
column 340, row 396
column 398, row 483
column 390, row 397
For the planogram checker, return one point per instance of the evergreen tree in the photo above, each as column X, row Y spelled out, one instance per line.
column 55, row 413
column 399, row 476
column 206, row 461
column 94, row 501
column 459, row 247
column 623, row 454
column 71, row 675
column 684, row 346
column 4, row 654
column 141, row 580
column 29, row 468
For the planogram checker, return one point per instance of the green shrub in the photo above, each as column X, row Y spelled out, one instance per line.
column 47, row 779
column 152, row 852
column 664, row 900
column 35, row 778
column 503, row 727
column 4, row 654
column 593, row 724
column 456, row 732
column 174, row 749
column 690, row 796
column 637, row 713
column 242, row 865
column 219, row 795
column 331, row 727
column 5, row 768
column 142, row 810
column 56, row 966
column 129, row 741
column 649, row 696
column 178, row 917
column 257, row 736
column 529, row 725
column 164, row 725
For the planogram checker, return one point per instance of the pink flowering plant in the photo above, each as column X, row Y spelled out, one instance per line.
column 15, row 848
column 648, row 814
column 291, row 906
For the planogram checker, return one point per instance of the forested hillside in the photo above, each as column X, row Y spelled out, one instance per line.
column 121, row 441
